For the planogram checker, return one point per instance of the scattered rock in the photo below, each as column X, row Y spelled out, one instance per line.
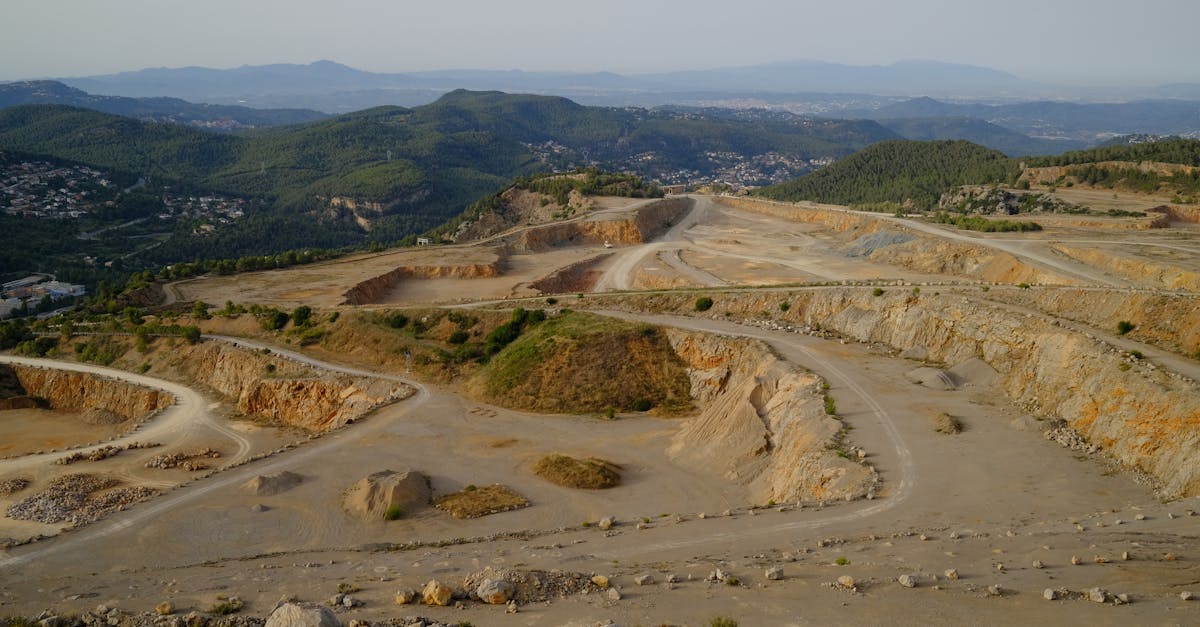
column 494, row 591
column 606, row 523
column 1097, row 595
column 296, row 615
column 1050, row 594
column 643, row 580
column 951, row 573
column 511, row 608
column 846, row 582
column 600, row 581
column 436, row 593
column 1186, row 595
column 1075, row 560
column 1125, row 556
column 672, row 578
column 995, row 591
column 774, row 573
column 613, row 594
column 405, row 596
column 1038, row 564
column 908, row 581
column 166, row 608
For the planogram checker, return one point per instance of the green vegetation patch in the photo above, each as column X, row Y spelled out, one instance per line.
column 979, row 223
column 583, row 363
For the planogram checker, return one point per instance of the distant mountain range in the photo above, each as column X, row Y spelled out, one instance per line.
column 336, row 88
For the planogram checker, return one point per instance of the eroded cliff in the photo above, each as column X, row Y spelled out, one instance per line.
column 80, row 392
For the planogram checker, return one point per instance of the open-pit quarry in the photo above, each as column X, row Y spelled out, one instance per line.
column 803, row 414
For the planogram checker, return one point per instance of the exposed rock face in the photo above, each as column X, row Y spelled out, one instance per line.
column 1142, row 417
column 764, row 424
column 633, row 229
column 916, row 251
column 577, row 277
column 315, row 403
column 97, row 396
column 374, row 289
column 374, row 495
column 1139, row 270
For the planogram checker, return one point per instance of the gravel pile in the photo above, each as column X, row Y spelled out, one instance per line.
column 184, row 461
column 536, row 586
column 12, row 486
column 73, row 499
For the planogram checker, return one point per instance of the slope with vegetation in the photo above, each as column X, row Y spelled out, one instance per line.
column 913, row 174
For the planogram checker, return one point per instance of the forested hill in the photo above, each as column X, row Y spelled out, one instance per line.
column 218, row 117
column 907, row 172
column 1181, row 151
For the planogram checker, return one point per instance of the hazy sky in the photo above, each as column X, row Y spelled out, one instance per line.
column 1091, row 42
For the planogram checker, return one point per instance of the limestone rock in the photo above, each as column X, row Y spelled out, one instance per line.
column 613, row 594
column 436, row 593
column 1097, row 595
column 269, row 485
column 643, row 580
column 774, row 573
column 494, row 591
column 908, row 581
column 405, row 596
column 166, row 608
column 374, row 495
column 846, row 581
column 606, row 523
column 1186, row 595
column 1050, row 594
column 296, row 615
column 951, row 573
column 995, row 590
column 601, row 581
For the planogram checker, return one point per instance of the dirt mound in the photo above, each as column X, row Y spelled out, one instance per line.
column 580, row 363
column 387, row 493
column 974, row 371
column 589, row 474
column 945, row 423
column 472, row 502
column 932, row 378
column 269, row 485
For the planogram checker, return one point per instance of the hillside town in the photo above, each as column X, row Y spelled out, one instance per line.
column 31, row 292
column 43, row 190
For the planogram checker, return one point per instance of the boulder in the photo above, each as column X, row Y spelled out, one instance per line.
column 643, row 580
column 494, row 591
column 606, row 523
column 296, row 615
column 404, row 596
column 373, row 496
column 846, row 581
column 774, row 573
column 436, row 593
column 1097, row 595
column 908, row 581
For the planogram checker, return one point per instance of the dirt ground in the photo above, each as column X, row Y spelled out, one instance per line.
column 23, row 431
column 998, row 503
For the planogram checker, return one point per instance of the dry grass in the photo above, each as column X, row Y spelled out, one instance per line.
column 945, row 423
column 588, row 474
column 473, row 502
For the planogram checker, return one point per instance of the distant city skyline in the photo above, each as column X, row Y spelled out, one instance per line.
column 1101, row 43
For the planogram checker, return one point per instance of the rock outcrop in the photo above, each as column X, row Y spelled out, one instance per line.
column 1137, row 269
column 270, row 485
column 635, row 228
column 763, row 425
column 103, row 399
column 374, row 289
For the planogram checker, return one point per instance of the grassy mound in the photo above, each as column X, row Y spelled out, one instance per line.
column 473, row 502
column 582, row 363
column 588, row 474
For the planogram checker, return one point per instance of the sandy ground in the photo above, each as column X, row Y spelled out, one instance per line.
column 23, row 431
column 988, row 502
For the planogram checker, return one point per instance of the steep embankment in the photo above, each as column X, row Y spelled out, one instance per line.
column 634, row 227
column 1140, row 415
column 886, row 242
column 1142, row 271
column 81, row 392
column 374, row 289
column 763, row 425
column 577, row 277
column 265, row 386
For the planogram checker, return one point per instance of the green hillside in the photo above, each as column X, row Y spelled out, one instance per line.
column 905, row 172
column 1181, row 151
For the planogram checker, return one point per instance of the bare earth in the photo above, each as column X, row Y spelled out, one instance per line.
column 988, row 502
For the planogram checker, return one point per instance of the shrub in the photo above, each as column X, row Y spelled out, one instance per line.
column 393, row 513
column 144, row 368
column 1124, row 327
column 301, row 315
column 347, row 588
column 224, row 607
column 459, row 337
column 1136, row 354
column 877, row 291
column 1123, row 367
column 642, row 403
column 552, row 301
column 722, row 621
column 704, row 303
column 841, row 561
column 784, row 306
column 275, row 320
column 398, row 321
column 1023, row 285
column 270, row 368
column 830, row 406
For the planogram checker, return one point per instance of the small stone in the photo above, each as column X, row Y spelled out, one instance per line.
column 1050, row 594
column 846, row 581
column 1140, row 517
column 642, row 525
column 1125, row 556
column 404, row 596
column 908, row 581
column 953, row 535
column 166, row 608
column 923, row 537
column 1075, row 560
column 1000, row 568
column 672, row 578
column 436, row 593
column 348, row 601
column 601, row 581
column 1169, row 557
column 494, row 591
column 613, row 594
column 774, row 573
column 995, row 590
column 1186, row 595
column 951, row 573
column 701, row 516
column 606, row 523
column 1121, row 599
column 1097, row 595
column 643, row 580
column 511, row 608
column 1038, row 564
